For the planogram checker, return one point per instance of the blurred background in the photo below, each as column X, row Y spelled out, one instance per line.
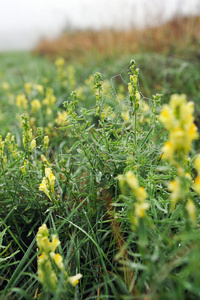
column 25, row 24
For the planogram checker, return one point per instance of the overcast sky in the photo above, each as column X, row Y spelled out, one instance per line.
column 24, row 22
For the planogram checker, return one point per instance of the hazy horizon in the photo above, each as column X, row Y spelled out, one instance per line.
column 24, row 23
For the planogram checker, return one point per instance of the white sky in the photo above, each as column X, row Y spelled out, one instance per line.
column 24, row 22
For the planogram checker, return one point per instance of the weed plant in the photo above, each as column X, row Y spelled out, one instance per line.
column 100, row 202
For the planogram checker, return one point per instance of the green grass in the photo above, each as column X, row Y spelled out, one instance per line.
column 91, row 210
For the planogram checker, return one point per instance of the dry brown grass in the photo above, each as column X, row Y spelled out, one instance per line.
column 175, row 35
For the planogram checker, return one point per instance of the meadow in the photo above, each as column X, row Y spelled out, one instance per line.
column 100, row 166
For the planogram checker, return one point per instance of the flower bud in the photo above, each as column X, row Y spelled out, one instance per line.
column 32, row 144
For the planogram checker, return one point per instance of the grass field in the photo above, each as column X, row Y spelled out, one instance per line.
column 100, row 166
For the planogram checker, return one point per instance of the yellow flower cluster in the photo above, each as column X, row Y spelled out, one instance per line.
column 71, row 76
column 74, row 280
column 21, row 101
column 125, row 115
column 59, row 63
column 27, row 139
column 191, row 209
column 2, row 156
column 176, row 192
column 50, row 99
column 40, row 88
column 27, row 136
column 12, row 146
column 32, row 145
column 139, row 192
column 35, row 105
column 49, row 262
column 61, row 118
column 90, row 81
column 24, row 167
column 180, row 189
column 120, row 97
column 48, row 181
column 178, row 118
column 30, row 87
column 44, row 160
column 107, row 113
column 46, row 273
column 197, row 179
column 5, row 86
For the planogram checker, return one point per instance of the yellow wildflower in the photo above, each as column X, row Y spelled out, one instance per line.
column 140, row 209
column 49, row 91
column 61, row 118
column 55, row 243
column 107, row 112
column 42, row 258
column 40, row 88
column 1, row 148
column 192, row 131
column 175, row 188
column 48, row 171
column 144, row 106
column 28, row 87
column 44, row 187
column 48, row 182
column 137, row 96
column 134, row 79
column 125, row 115
column 58, row 260
column 141, row 194
column 132, row 181
column 188, row 176
column 176, row 101
column 177, row 137
column 50, row 98
column 45, row 244
column 191, row 209
column 197, row 163
column 130, row 88
column 21, row 101
column 42, row 232
column 60, row 62
column 4, row 160
column 167, row 118
column 35, row 105
column 23, row 168
column 52, row 182
column 196, row 185
column 5, row 86
column 44, row 159
column 178, row 119
column 48, row 258
column 49, row 111
column 32, row 145
column 74, row 280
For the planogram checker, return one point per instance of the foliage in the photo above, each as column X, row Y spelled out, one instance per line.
column 101, row 178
